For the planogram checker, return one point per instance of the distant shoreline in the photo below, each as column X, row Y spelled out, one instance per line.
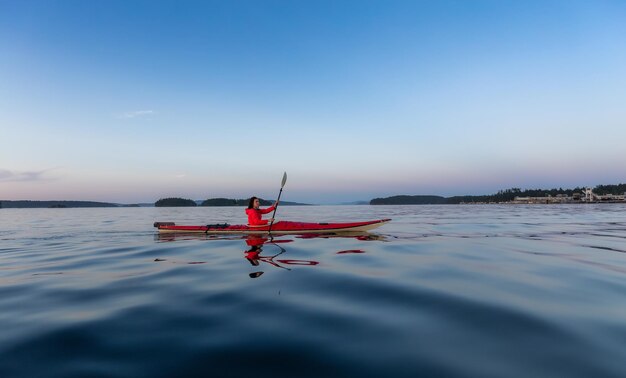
column 92, row 205
column 599, row 194
column 71, row 204
column 54, row 204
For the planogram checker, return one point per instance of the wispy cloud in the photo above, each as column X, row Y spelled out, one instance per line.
column 136, row 114
column 8, row 176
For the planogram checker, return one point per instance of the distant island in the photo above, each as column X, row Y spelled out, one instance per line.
column 601, row 193
column 163, row 202
column 410, row 200
column 216, row 202
column 244, row 202
column 52, row 204
column 175, row 202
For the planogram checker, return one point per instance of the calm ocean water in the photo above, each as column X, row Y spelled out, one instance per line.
column 455, row 291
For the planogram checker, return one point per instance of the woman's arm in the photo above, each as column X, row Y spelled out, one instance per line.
column 268, row 210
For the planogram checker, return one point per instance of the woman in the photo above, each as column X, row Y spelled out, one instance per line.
column 255, row 213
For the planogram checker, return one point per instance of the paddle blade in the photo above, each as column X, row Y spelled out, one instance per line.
column 284, row 179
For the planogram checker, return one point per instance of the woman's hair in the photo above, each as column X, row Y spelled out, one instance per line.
column 251, row 203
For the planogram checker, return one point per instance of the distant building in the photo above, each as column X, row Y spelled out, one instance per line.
column 587, row 196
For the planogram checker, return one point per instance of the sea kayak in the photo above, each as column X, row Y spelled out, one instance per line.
column 281, row 227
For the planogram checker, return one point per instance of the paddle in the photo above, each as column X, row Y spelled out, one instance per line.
column 269, row 231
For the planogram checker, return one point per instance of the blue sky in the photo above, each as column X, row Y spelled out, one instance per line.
column 132, row 101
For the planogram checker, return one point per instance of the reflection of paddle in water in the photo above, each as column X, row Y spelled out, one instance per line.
column 350, row 251
column 253, row 254
column 256, row 244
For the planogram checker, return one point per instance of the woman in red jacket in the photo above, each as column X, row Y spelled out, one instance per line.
column 255, row 213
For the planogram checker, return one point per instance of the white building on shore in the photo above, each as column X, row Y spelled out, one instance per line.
column 587, row 196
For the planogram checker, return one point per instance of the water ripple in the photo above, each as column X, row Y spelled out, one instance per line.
column 459, row 291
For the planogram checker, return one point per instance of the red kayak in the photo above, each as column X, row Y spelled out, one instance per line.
column 281, row 227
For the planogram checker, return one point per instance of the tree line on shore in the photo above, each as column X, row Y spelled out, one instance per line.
column 506, row 195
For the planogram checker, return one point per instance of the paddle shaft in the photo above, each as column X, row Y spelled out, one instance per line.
column 275, row 208
column 282, row 185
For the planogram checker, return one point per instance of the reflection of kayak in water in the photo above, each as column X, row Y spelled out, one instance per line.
column 282, row 227
column 253, row 255
column 182, row 235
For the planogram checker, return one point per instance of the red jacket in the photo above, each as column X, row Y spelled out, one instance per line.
column 254, row 216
